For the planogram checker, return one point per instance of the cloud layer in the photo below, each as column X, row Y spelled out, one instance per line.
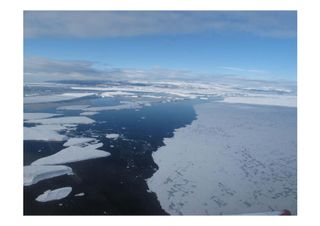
column 93, row 24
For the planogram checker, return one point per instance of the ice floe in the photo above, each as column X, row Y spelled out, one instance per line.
column 73, row 154
column 57, row 194
column 115, row 93
column 54, row 98
column 113, row 136
column 230, row 160
column 33, row 174
column 64, row 120
column 78, row 141
column 89, row 113
column 79, row 194
column 44, row 132
column 73, row 107
column 31, row 116
column 275, row 100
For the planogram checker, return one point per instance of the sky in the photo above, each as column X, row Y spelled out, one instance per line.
column 160, row 44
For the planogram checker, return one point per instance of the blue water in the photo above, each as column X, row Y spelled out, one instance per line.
column 114, row 185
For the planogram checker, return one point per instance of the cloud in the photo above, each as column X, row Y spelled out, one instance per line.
column 237, row 69
column 97, row 24
column 38, row 69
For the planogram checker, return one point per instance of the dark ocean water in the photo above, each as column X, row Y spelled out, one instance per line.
column 114, row 185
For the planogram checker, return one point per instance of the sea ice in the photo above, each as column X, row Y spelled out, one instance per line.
column 79, row 194
column 54, row 98
column 230, row 160
column 73, row 107
column 275, row 100
column 44, row 132
column 112, row 136
column 87, row 113
column 31, row 116
column 73, row 154
column 33, row 174
column 77, row 141
column 64, row 120
column 56, row 194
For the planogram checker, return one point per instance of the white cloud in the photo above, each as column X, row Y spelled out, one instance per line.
column 84, row 24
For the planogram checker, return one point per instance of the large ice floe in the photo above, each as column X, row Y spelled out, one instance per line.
column 78, row 141
column 230, row 160
column 57, row 194
column 54, row 97
column 275, row 100
column 32, row 116
column 44, row 132
column 33, row 174
column 72, row 107
column 63, row 120
column 73, row 154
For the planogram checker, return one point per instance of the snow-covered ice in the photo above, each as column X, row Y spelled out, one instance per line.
column 33, row 174
column 89, row 113
column 78, row 141
column 31, row 116
column 64, row 120
column 73, row 107
column 79, row 194
column 56, row 194
column 232, row 159
column 44, row 132
column 113, row 136
column 73, row 154
column 276, row 100
column 54, row 98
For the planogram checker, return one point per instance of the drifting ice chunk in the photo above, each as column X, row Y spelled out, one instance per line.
column 56, row 194
column 31, row 116
column 112, row 136
column 87, row 113
column 73, row 154
column 44, row 132
column 77, row 141
column 64, row 120
column 73, row 107
column 54, row 98
column 34, row 174
column 79, row 194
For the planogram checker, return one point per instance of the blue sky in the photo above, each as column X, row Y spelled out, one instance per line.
column 259, row 45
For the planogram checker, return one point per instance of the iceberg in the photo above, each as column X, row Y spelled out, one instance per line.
column 56, row 194
column 73, row 154
column 33, row 174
